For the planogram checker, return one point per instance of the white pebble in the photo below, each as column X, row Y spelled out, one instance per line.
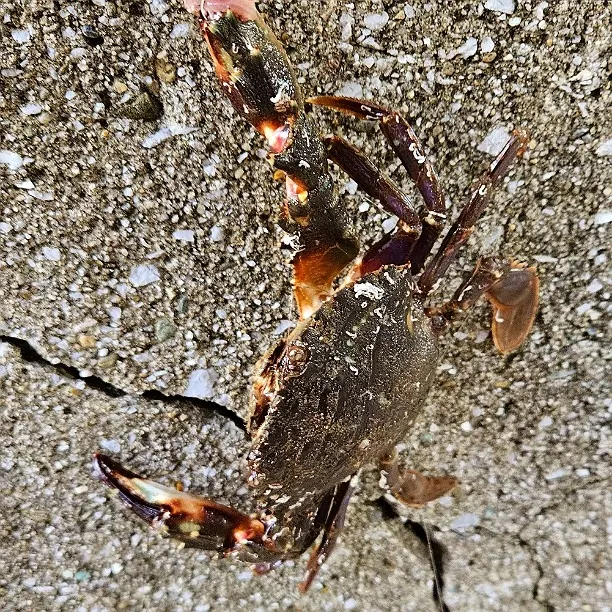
column 5, row 227
column 486, row 44
column 375, row 22
column 545, row 422
column 216, row 233
column 494, row 142
column 350, row 604
column 51, row 253
column 466, row 426
column 594, row 286
column 27, row 184
column 20, row 36
column 605, row 148
column 584, row 308
column 201, row 383
column 389, row 224
column 164, row 133
column 468, row 49
column 560, row 473
column 582, row 472
column 31, row 109
column 114, row 312
column 465, row 521
column 351, row 89
column 111, row 445
column 408, row 11
column 180, row 30
column 500, row 6
column 144, row 274
column 12, row 160
column 184, row 235
column 602, row 217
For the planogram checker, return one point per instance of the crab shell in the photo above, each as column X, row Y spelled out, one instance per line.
column 343, row 388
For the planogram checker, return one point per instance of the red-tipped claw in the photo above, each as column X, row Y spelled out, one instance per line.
column 192, row 519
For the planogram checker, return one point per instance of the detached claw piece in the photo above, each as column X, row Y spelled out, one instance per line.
column 194, row 520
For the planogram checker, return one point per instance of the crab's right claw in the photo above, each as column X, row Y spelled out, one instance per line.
column 515, row 303
column 194, row 520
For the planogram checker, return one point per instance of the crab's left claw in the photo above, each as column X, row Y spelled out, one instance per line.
column 515, row 303
column 194, row 520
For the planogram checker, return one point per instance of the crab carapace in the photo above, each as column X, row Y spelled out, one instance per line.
column 340, row 390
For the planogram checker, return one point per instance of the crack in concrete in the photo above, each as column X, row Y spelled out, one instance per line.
column 31, row 355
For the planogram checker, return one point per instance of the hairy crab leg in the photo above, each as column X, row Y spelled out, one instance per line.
column 259, row 81
column 409, row 149
column 463, row 227
column 411, row 487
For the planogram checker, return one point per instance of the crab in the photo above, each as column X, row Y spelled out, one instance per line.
column 344, row 387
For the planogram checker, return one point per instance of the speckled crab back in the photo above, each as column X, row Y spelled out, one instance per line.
column 369, row 358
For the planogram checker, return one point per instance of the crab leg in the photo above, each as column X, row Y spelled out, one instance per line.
column 331, row 531
column 194, row 520
column 259, row 81
column 464, row 225
column 394, row 248
column 411, row 487
column 512, row 290
column 408, row 148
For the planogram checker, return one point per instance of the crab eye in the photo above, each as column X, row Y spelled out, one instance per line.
column 297, row 357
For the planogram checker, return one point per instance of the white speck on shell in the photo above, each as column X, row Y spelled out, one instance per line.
column 143, row 275
column 368, row 290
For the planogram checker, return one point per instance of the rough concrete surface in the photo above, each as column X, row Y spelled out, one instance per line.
column 133, row 263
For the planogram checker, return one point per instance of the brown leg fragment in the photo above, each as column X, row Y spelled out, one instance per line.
column 411, row 487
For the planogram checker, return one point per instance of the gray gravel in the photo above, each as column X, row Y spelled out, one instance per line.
column 139, row 245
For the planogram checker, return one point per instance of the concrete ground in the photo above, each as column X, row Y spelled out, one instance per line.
column 140, row 263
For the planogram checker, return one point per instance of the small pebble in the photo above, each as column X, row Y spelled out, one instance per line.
column 500, row 6
column 494, row 142
column 143, row 275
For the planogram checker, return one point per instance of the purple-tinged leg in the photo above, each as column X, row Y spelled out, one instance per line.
column 411, row 487
column 464, row 225
column 408, row 148
column 394, row 248
column 512, row 290
column 331, row 531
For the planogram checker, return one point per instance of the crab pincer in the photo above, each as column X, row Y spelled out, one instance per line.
column 345, row 386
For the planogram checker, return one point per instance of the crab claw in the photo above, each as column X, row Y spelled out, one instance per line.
column 194, row 520
column 515, row 302
column 253, row 67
